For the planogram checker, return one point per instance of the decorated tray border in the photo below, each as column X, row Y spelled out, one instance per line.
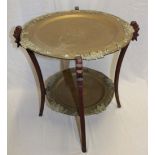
column 89, row 55
column 95, row 109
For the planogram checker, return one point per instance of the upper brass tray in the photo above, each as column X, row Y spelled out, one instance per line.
column 90, row 34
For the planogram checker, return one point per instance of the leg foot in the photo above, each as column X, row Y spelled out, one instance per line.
column 42, row 104
column 83, row 134
column 40, row 114
column 84, row 149
column 118, row 106
column 117, row 96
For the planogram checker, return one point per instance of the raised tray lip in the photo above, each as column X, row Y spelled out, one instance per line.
column 96, row 54
column 92, row 110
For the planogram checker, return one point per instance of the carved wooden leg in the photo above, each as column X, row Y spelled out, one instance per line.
column 79, row 75
column 117, row 72
column 42, row 87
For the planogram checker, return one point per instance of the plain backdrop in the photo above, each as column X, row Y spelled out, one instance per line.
column 114, row 131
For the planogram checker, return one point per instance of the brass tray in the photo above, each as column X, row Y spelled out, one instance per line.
column 89, row 34
column 62, row 93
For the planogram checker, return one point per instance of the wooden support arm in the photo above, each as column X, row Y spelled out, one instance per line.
column 17, row 33
column 136, row 28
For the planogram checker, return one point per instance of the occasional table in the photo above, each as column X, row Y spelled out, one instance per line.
column 77, row 35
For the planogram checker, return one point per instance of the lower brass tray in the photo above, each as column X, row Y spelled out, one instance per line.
column 62, row 93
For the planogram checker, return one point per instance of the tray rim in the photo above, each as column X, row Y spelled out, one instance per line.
column 96, row 54
column 95, row 109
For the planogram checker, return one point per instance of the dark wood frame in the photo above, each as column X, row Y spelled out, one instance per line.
column 120, row 60
column 79, row 77
column 16, row 34
column 79, row 73
column 41, row 81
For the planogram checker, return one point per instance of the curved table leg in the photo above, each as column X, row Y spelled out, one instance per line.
column 17, row 33
column 117, row 72
column 120, row 59
column 39, row 74
column 79, row 76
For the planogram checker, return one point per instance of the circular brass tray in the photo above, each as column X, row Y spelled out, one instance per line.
column 62, row 93
column 89, row 34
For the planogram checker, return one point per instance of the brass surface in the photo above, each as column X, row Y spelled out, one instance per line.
column 90, row 34
column 62, row 93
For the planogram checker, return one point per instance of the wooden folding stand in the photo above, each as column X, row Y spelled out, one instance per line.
column 79, row 77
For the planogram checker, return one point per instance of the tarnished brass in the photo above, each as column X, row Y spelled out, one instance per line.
column 89, row 34
column 61, row 90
